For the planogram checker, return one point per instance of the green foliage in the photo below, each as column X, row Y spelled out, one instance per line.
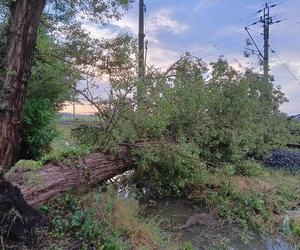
column 229, row 169
column 69, row 156
column 256, row 203
column 294, row 128
column 97, row 11
column 38, row 128
column 242, row 208
column 295, row 228
column 249, row 168
column 165, row 170
column 49, row 87
column 187, row 246
column 87, row 134
column 228, row 114
column 27, row 164
column 104, row 220
column 213, row 113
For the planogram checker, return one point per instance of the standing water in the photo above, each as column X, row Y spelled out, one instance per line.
column 181, row 217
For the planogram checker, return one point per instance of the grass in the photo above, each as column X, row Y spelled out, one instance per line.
column 82, row 118
column 104, row 220
column 64, row 138
column 25, row 165
column 258, row 201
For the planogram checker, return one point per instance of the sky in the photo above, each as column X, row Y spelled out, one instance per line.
column 210, row 28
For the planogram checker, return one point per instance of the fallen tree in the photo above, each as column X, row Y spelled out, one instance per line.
column 22, row 189
column 41, row 185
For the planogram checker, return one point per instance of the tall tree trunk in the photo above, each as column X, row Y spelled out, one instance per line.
column 23, row 26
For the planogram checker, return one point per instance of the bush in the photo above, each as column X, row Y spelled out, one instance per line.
column 250, row 168
column 166, row 170
column 48, row 88
column 38, row 128
column 69, row 156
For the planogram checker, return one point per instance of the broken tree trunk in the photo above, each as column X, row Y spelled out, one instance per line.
column 17, row 219
column 40, row 186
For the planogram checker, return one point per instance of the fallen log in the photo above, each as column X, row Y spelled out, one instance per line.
column 41, row 185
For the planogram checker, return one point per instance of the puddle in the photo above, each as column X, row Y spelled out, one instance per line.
column 177, row 212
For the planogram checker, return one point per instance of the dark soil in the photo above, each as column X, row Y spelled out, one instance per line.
column 18, row 220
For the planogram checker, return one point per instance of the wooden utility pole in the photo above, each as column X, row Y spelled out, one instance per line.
column 141, row 50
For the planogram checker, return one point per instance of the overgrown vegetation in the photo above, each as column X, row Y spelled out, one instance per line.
column 210, row 114
column 194, row 130
column 196, row 135
column 257, row 203
column 50, row 87
column 102, row 219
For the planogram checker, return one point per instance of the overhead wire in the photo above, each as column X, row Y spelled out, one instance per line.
column 207, row 47
column 285, row 65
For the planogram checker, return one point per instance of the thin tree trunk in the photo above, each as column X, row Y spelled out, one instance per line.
column 23, row 26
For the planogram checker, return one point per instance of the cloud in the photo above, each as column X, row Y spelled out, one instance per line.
column 161, row 57
column 290, row 86
column 204, row 4
column 160, row 21
column 99, row 32
column 163, row 20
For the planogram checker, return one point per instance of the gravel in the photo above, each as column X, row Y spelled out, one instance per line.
column 283, row 159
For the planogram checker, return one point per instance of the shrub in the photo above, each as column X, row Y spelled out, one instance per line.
column 38, row 128
column 165, row 170
column 48, row 88
column 250, row 168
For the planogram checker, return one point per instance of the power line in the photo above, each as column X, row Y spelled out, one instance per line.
column 285, row 65
column 216, row 44
column 227, row 36
column 286, row 26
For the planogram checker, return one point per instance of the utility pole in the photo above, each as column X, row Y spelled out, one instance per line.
column 266, row 21
column 74, row 111
column 141, row 49
column 141, row 39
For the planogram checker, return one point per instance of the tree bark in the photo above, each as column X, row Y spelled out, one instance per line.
column 40, row 186
column 23, row 25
